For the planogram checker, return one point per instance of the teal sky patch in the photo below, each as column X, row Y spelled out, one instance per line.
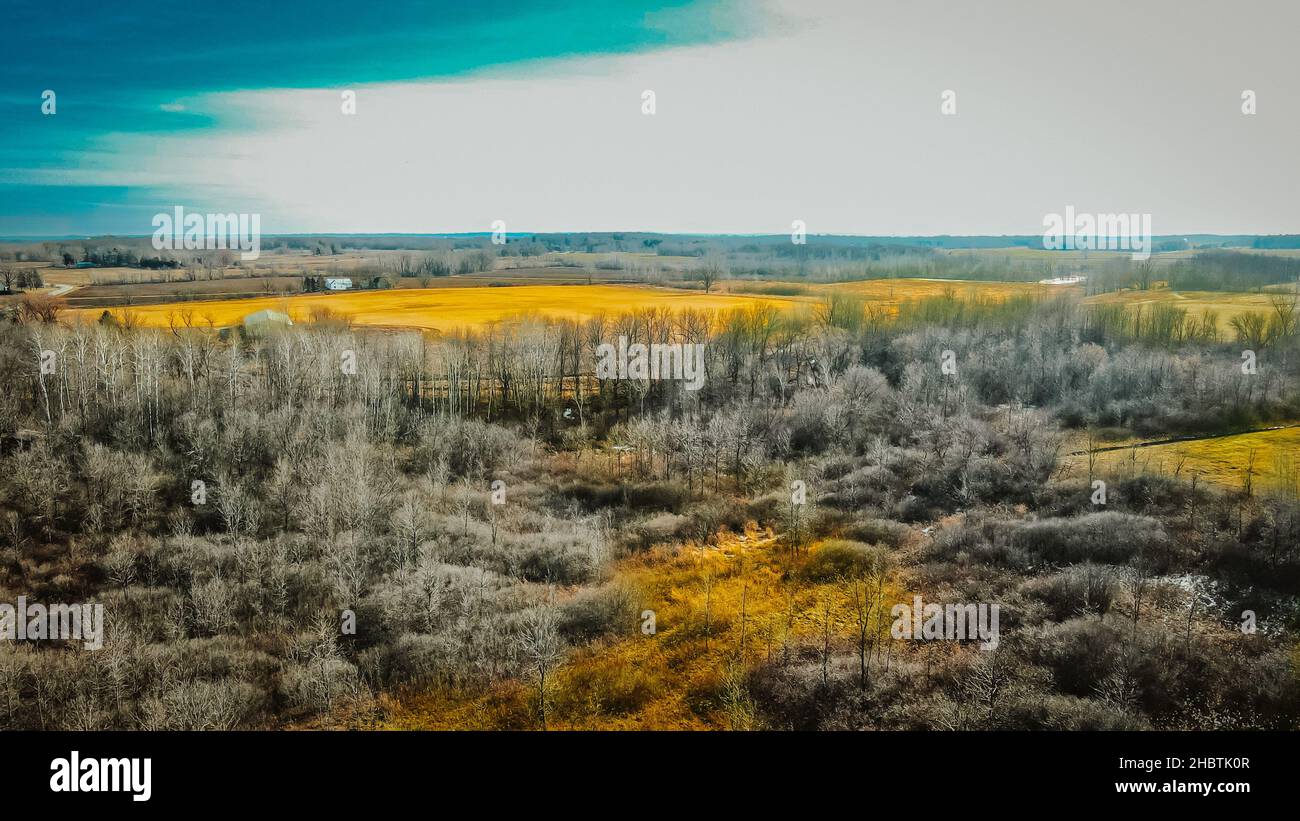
column 128, row 69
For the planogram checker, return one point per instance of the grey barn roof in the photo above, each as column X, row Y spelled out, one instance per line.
column 265, row 316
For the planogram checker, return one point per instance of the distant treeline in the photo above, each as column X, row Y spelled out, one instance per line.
column 1232, row 271
column 116, row 257
column 693, row 258
column 1277, row 241
column 878, row 262
column 1213, row 270
column 691, row 245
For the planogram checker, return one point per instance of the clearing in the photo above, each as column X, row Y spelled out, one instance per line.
column 1270, row 456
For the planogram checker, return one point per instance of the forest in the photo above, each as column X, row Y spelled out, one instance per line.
column 327, row 527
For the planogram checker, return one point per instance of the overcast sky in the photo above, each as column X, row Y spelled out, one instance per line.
column 826, row 111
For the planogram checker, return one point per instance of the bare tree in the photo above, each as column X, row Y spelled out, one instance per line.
column 541, row 644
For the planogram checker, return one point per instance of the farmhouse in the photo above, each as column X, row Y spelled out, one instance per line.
column 338, row 284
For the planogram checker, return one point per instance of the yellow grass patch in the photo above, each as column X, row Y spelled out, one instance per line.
column 718, row 611
column 1196, row 303
column 441, row 309
column 447, row 309
column 889, row 293
column 1273, row 456
column 898, row 289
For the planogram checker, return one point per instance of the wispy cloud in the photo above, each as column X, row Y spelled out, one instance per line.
column 819, row 110
column 162, row 105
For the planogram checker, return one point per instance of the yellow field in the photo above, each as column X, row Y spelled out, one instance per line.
column 1196, row 303
column 447, row 309
column 441, row 309
column 1224, row 461
column 893, row 291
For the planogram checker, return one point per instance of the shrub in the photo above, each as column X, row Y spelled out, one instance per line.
column 840, row 558
column 554, row 564
column 1111, row 538
column 657, row 529
column 594, row 613
column 657, row 496
column 879, row 531
column 1080, row 653
column 1082, row 588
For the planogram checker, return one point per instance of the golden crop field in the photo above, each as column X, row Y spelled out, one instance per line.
column 1222, row 460
column 448, row 308
column 893, row 291
column 441, row 309
column 1196, row 303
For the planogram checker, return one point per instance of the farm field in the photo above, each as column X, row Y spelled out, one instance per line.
column 436, row 308
column 469, row 302
column 227, row 288
column 279, row 272
column 1196, row 303
column 893, row 291
column 440, row 309
column 238, row 285
column 1221, row 460
column 592, row 260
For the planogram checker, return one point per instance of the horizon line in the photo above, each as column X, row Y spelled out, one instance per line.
column 709, row 234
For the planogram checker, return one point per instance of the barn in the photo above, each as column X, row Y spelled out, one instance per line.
column 267, row 320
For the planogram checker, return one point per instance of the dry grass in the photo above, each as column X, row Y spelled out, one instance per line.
column 1271, row 456
column 893, row 291
column 1196, row 303
column 440, row 309
column 719, row 610
column 446, row 309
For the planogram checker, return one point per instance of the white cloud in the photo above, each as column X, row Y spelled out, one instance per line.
column 833, row 119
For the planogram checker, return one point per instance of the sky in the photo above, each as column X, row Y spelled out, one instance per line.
column 532, row 112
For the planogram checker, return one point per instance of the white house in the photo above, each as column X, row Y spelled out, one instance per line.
column 338, row 284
